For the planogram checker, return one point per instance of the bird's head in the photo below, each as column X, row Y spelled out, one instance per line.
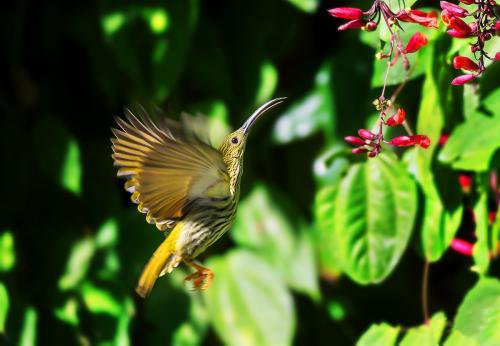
column 233, row 146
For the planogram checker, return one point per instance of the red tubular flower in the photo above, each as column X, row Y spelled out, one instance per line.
column 462, row 62
column 465, row 78
column 422, row 140
column 456, row 34
column 359, row 150
column 346, row 12
column 420, row 17
column 445, row 17
column 467, row 2
column 417, row 41
column 462, row 247
column 353, row 24
column 402, row 141
column 460, row 26
column 454, row 9
column 396, row 119
column 497, row 56
column 366, row 134
column 354, row 140
column 443, row 139
column 465, row 182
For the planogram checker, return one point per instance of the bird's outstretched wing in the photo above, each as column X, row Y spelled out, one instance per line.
column 168, row 167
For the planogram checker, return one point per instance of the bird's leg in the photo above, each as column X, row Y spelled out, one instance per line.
column 201, row 278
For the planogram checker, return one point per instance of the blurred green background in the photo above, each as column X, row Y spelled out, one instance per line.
column 72, row 245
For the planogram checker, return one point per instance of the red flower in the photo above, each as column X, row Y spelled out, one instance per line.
column 465, row 78
column 366, row 134
column 460, row 26
column 359, row 150
column 346, row 12
column 354, row 140
column 370, row 26
column 422, row 140
column 462, row 247
column 396, row 119
column 406, row 141
column 445, row 17
column 462, row 62
column 353, row 24
column 465, row 182
column 416, row 16
column 467, row 2
column 454, row 9
column 417, row 41
column 456, row 34
column 497, row 56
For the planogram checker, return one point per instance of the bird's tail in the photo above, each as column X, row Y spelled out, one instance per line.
column 163, row 260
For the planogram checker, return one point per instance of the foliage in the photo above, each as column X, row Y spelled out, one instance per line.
column 327, row 248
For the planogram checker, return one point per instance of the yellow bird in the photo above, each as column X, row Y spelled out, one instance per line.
column 186, row 187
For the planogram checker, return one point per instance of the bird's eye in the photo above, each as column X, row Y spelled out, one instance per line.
column 234, row 140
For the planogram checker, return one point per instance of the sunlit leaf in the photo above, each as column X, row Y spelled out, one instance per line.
column 68, row 312
column 4, row 307
column 78, row 263
column 336, row 311
column 481, row 252
column 381, row 334
column 7, row 251
column 308, row 6
column 158, row 19
column 310, row 114
column 303, row 276
column 458, row 339
column 98, row 300
column 473, row 143
column 192, row 331
column 72, row 172
column 478, row 316
column 329, row 167
column 122, row 330
column 29, row 329
column 248, row 302
column 374, row 213
column 268, row 82
column 112, row 22
column 427, row 334
column 107, row 234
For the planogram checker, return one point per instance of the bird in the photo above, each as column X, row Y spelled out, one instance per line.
column 186, row 187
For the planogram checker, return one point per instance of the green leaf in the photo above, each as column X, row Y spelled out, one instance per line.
column 308, row 6
column 68, row 312
column 374, row 214
column 381, row 334
column 248, row 302
column 71, row 173
column 492, row 103
column 192, row 331
column 99, row 301
column 481, row 252
column 268, row 82
column 478, row 316
column 78, row 263
column 28, row 333
column 122, row 335
column 472, row 144
column 458, row 339
column 426, row 335
column 4, row 307
column 107, row 234
column 7, row 251
column 310, row 114
column 302, row 274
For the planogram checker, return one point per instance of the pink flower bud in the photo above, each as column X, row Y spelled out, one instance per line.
column 396, row 119
column 372, row 154
column 402, row 141
column 417, row 41
column 462, row 247
column 346, row 12
column 460, row 26
column 359, row 150
column 454, row 9
column 465, row 182
column 370, row 26
column 497, row 56
column 422, row 140
column 354, row 140
column 353, row 24
column 443, row 139
column 465, row 78
column 464, row 63
column 366, row 134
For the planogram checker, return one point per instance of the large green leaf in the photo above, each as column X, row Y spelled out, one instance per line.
column 478, row 316
column 473, row 143
column 458, row 339
column 98, row 300
column 428, row 334
column 262, row 226
column 481, row 253
column 381, row 334
column 4, row 307
column 248, row 302
column 7, row 251
column 374, row 214
column 312, row 113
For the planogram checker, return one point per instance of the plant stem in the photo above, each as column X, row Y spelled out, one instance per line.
column 425, row 292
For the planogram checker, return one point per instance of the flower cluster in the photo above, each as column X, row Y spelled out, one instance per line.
column 371, row 143
column 370, row 20
column 483, row 27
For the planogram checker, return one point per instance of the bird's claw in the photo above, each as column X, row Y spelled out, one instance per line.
column 200, row 279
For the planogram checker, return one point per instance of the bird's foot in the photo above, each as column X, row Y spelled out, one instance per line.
column 201, row 279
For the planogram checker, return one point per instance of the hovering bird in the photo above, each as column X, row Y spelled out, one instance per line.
column 186, row 187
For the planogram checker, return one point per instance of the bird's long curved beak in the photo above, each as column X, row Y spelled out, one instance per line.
column 261, row 110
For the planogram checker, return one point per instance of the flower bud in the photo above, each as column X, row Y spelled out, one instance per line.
column 422, row 140
column 465, row 182
column 372, row 154
column 467, row 2
column 354, row 140
column 402, row 141
column 457, row 34
column 353, row 24
column 464, row 63
column 417, row 41
column 460, row 26
column 359, row 150
column 366, row 134
column 370, row 26
column 465, row 78
column 346, row 12
column 454, row 9
column 497, row 56
column 396, row 119
column 462, row 247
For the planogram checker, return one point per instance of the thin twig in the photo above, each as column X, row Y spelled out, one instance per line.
column 425, row 292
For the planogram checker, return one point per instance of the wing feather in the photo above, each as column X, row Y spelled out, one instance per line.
column 162, row 162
